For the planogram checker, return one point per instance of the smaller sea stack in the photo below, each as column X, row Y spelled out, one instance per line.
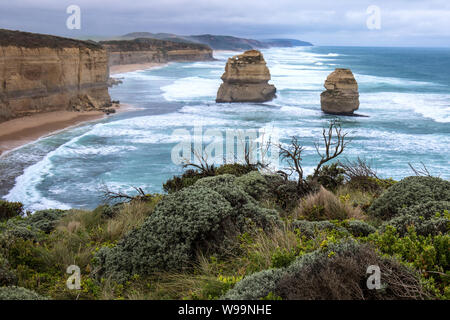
column 341, row 96
column 246, row 79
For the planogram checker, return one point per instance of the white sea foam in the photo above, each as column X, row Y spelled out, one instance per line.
column 191, row 88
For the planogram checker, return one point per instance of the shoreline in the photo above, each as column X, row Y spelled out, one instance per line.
column 124, row 68
column 19, row 132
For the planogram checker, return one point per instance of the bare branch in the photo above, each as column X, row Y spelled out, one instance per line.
column 334, row 143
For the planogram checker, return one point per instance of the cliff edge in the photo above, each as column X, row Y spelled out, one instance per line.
column 43, row 73
column 145, row 50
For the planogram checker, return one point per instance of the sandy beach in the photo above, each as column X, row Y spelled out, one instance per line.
column 133, row 67
column 18, row 132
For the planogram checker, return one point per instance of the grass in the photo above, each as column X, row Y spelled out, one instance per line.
column 324, row 205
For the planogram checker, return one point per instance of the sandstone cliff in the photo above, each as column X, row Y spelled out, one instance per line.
column 42, row 73
column 145, row 50
column 341, row 95
column 246, row 79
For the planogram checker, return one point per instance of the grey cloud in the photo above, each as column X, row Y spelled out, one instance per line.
column 322, row 22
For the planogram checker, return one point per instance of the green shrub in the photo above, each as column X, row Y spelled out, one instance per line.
column 254, row 184
column 359, row 228
column 284, row 192
column 18, row 293
column 255, row 286
column 9, row 210
column 427, row 218
column 205, row 217
column 7, row 276
column 235, row 169
column 45, row 220
column 340, row 273
column 429, row 254
column 330, row 176
column 190, row 177
column 337, row 271
column 409, row 192
column 311, row 228
column 187, row 179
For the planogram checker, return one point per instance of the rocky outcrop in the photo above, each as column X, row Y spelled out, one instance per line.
column 341, row 96
column 144, row 50
column 246, row 79
column 42, row 73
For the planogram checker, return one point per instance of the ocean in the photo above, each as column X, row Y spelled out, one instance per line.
column 404, row 92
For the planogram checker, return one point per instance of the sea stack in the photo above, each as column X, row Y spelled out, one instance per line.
column 246, row 79
column 341, row 96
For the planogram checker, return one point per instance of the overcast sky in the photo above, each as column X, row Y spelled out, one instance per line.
column 322, row 22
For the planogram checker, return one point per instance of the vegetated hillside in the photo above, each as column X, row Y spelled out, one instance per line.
column 142, row 44
column 286, row 43
column 239, row 232
column 36, row 40
column 221, row 42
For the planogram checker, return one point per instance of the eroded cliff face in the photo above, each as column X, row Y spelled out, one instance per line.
column 41, row 73
column 246, row 79
column 341, row 95
column 153, row 50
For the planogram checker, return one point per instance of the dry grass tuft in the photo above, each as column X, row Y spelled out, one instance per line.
column 324, row 205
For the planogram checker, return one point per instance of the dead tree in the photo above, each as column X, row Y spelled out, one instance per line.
column 334, row 140
column 420, row 172
column 334, row 143
column 110, row 196
column 203, row 166
column 293, row 156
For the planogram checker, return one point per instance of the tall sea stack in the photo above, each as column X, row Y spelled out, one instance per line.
column 341, row 96
column 246, row 79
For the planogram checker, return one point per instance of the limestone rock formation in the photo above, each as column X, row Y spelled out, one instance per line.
column 246, row 79
column 341, row 96
column 42, row 73
column 144, row 50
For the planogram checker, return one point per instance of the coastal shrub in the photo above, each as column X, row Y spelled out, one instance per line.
column 340, row 273
column 7, row 276
column 330, row 176
column 311, row 228
column 358, row 228
column 187, row 179
column 236, row 169
column 19, row 293
column 190, row 177
column 409, row 192
column 324, row 205
column 205, row 217
column 355, row 197
column 45, row 220
column 429, row 254
column 284, row 192
column 255, row 286
column 337, row 271
column 9, row 210
column 254, row 184
column 427, row 218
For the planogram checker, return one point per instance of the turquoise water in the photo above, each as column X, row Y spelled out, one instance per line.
column 405, row 92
